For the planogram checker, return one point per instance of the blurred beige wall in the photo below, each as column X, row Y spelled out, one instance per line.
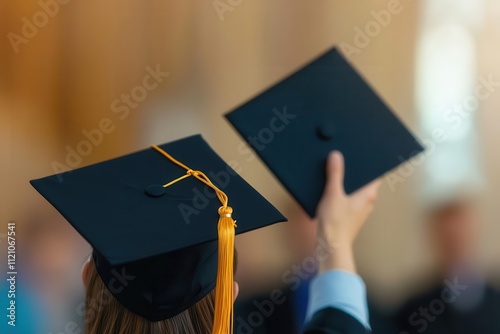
column 65, row 78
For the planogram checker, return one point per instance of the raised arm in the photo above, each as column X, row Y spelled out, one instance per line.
column 337, row 303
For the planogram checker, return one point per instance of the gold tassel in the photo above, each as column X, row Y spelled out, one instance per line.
column 224, row 291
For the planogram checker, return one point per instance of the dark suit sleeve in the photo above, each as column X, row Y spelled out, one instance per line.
column 334, row 321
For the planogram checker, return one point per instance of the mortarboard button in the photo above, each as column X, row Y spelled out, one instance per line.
column 155, row 190
column 325, row 131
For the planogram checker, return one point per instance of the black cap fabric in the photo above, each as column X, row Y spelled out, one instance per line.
column 324, row 106
column 156, row 248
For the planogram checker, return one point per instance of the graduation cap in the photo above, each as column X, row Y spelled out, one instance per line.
column 151, row 219
column 324, row 106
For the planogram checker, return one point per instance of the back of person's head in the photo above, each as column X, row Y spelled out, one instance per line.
column 105, row 315
column 455, row 227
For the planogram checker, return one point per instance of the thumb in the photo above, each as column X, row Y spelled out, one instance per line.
column 335, row 173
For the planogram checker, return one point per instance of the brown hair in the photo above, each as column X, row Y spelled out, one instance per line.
column 105, row 315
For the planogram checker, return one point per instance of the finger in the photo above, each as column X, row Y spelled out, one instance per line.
column 335, row 173
column 369, row 191
column 374, row 185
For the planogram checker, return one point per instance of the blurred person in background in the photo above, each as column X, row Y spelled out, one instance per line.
column 460, row 300
column 51, row 247
column 48, row 292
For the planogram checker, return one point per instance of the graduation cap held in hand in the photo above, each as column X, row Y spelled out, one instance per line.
column 324, row 106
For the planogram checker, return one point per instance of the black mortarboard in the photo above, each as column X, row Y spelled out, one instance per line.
column 324, row 106
column 156, row 244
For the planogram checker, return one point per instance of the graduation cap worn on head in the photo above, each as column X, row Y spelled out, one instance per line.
column 324, row 106
column 150, row 217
